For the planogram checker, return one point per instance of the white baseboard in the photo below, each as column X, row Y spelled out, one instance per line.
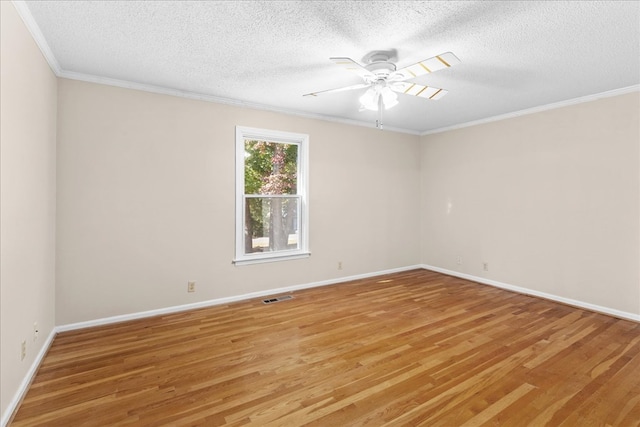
column 526, row 291
column 168, row 310
column 225, row 300
column 26, row 381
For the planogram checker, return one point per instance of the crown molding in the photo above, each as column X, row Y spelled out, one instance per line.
column 38, row 37
column 539, row 109
column 218, row 100
column 237, row 103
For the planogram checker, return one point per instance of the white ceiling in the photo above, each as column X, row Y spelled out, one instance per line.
column 267, row 54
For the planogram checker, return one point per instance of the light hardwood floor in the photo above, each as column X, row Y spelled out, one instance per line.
column 412, row 348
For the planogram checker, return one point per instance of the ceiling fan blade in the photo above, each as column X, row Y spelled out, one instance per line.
column 418, row 90
column 438, row 62
column 358, row 86
column 354, row 67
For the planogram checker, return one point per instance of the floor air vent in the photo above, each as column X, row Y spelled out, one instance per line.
column 272, row 300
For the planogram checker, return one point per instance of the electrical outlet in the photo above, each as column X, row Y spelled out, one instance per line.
column 339, row 265
column 459, row 260
column 485, row 266
column 23, row 349
column 191, row 287
column 35, row 331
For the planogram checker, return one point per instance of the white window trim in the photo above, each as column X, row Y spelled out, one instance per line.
column 302, row 140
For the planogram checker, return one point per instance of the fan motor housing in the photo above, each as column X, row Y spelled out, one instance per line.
column 379, row 65
column 381, row 69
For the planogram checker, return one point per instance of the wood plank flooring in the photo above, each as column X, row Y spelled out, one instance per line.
column 407, row 349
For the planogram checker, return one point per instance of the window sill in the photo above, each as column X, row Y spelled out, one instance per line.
column 271, row 258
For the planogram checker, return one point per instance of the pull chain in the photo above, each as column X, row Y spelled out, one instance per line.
column 380, row 108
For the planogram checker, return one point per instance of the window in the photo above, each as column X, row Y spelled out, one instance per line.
column 271, row 195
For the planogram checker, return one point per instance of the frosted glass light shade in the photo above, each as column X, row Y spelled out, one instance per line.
column 389, row 98
column 371, row 98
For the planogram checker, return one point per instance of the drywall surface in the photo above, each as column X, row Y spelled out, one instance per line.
column 550, row 201
column 27, row 206
column 146, row 202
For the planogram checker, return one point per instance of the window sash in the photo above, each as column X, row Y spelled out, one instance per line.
column 265, row 242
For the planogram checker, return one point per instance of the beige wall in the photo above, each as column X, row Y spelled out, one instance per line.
column 550, row 200
column 146, row 202
column 27, row 200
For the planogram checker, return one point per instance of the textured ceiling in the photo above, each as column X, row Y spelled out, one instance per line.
column 515, row 55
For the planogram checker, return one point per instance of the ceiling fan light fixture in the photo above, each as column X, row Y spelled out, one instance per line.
column 383, row 80
column 370, row 100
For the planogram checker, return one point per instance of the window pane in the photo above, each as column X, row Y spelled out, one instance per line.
column 270, row 167
column 271, row 224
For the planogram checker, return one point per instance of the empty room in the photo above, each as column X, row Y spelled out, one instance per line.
column 327, row 213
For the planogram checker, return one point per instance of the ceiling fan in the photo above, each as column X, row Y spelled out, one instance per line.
column 384, row 80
